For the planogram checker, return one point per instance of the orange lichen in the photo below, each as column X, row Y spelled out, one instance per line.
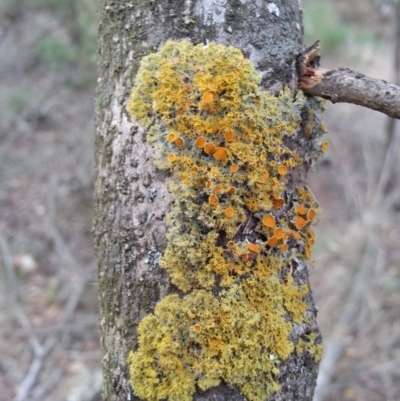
column 217, row 189
column 201, row 142
column 278, row 233
column 213, row 199
column 220, row 153
column 296, row 236
column 311, row 214
column 208, row 97
column 269, row 220
column 278, row 203
column 179, row 142
column 282, row 170
column 308, row 252
column 299, row 222
column 301, row 210
column 171, row 157
column 311, row 242
column 209, row 148
column 325, row 145
column 229, row 212
column 247, row 256
column 254, row 248
column 229, row 136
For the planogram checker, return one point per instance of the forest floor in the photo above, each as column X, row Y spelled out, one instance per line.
column 49, row 338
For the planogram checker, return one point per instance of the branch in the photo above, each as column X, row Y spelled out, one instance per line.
column 345, row 85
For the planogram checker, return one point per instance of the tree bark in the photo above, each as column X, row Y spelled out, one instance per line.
column 132, row 197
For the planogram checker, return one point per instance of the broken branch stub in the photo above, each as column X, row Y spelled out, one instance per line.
column 346, row 86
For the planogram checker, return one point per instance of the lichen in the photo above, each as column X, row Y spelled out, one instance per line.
column 223, row 139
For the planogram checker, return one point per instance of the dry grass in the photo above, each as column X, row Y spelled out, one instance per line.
column 48, row 326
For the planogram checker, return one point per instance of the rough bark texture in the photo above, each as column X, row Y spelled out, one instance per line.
column 345, row 85
column 131, row 197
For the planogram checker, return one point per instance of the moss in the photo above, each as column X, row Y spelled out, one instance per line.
column 223, row 139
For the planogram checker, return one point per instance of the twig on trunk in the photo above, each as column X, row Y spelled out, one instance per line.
column 345, row 85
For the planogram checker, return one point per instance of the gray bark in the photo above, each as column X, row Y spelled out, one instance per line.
column 129, row 226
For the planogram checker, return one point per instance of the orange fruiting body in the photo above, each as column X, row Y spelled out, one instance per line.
column 277, row 203
column 301, row 210
column 217, row 189
column 201, row 142
column 209, row 148
column 220, row 153
column 278, row 233
column 247, row 256
column 296, row 235
column 282, row 170
column 179, row 142
column 234, row 168
column 171, row 157
column 311, row 214
column 229, row 212
column 229, row 136
column 299, row 222
column 254, row 248
column 273, row 241
column 269, row 220
column 171, row 138
column 213, row 199
column 197, row 328
column 208, row 97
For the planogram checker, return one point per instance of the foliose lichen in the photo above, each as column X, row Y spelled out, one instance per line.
column 223, row 139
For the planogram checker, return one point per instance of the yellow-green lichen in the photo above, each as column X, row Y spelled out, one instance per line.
column 223, row 139
column 312, row 345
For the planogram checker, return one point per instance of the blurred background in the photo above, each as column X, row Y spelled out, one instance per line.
column 49, row 340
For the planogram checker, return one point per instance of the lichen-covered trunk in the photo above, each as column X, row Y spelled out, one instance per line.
column 241, row 324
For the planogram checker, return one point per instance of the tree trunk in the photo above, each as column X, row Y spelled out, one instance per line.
column 132, row 198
